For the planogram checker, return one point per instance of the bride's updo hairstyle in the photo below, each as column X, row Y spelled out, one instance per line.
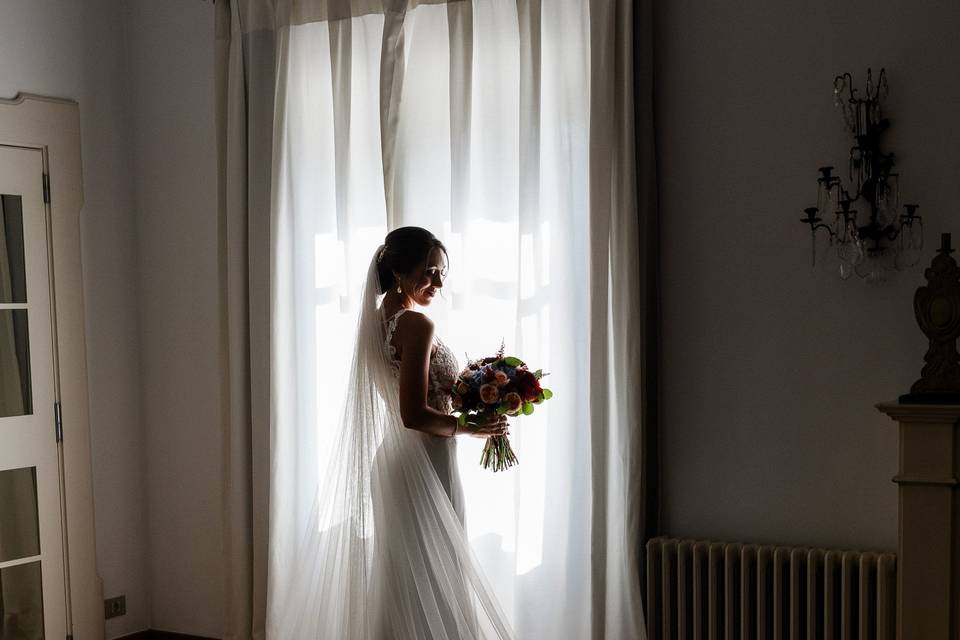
column 403, row 250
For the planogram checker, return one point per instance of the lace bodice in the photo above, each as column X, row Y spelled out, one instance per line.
column 443, row 367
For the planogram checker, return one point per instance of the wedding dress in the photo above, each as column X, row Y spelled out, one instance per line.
column 443, row 372
column 385, row 555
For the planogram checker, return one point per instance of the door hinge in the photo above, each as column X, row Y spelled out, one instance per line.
column 58, row 420
column 46, row 188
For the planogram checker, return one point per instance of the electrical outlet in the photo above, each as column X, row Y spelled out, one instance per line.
column 113, row 607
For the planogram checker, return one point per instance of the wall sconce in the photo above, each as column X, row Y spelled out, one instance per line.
column 881, row 241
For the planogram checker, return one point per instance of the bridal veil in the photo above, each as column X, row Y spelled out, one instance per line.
column 383, row 555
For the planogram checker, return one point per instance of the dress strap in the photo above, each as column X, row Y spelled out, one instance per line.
column 391, row 327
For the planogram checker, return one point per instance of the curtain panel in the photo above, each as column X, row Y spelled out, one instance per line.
column 508, row 128
column 245, row 89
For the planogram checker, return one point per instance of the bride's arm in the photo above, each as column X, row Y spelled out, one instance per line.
column 416, row 341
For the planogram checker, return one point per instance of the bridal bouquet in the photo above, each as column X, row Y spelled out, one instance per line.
column 495, row 386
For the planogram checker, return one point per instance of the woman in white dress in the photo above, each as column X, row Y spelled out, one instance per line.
column 385, row 556
column 411, row 267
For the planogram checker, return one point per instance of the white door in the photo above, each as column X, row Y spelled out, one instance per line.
column 32, row 585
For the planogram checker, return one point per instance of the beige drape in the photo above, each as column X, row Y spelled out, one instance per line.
column 616, row 312
column 249, row 37
column 245, row 94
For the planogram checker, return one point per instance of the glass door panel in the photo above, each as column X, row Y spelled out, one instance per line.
column 16, row 395
column 19, row 525
column 21, row 602
column 13, row 273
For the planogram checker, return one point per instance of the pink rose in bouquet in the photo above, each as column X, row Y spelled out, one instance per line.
column 489, row 394
column 514, row 402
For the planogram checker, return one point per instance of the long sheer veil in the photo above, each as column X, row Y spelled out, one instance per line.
column 384, row 555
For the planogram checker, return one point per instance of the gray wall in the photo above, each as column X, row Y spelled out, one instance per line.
column 142, row 73
column 771, row 372
column 174, row 173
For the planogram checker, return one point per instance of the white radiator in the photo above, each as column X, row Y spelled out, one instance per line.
column 728, row 591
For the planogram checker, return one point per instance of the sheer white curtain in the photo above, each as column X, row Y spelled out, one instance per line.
column 472, row 119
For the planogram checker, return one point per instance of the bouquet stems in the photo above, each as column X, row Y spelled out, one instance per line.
column 498, row 454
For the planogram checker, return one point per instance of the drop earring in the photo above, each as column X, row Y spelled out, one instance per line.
column 399, row 290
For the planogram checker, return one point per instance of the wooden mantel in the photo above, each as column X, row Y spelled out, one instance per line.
column 928, row 553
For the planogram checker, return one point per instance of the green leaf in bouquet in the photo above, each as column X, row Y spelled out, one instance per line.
column 501, row 409
column 510, row 361
column 547, row 394
column 527, row 408
column 538, row 373
column 462, row 419
column 538, row 399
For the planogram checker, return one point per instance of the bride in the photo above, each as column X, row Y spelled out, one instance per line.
column 385, row 556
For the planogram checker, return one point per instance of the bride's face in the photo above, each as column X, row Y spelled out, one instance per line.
column 425, row 282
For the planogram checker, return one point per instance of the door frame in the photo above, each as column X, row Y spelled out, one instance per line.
column 53, row 126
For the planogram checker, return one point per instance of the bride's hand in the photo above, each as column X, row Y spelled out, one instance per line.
column 496, row 426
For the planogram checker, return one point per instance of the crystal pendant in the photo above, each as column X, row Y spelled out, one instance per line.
column 838, row 86
column 877, row 266
column 846, row 270
column 909, row 246
column 824, row 249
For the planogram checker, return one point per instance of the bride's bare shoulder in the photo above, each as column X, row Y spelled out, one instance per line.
column 415, row 324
